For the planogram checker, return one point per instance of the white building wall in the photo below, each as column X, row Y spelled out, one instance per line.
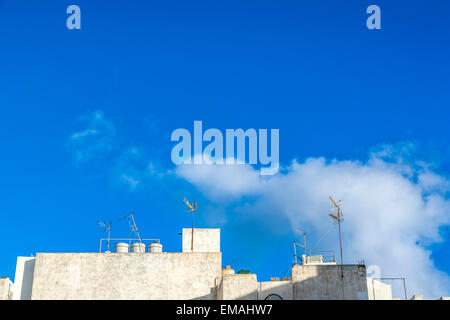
column 126, row 275
column 324, row 282
column 247, row 287
column 23, row 280
column 238, row 287
column 283, row 289
column 205, row 240
column 5, row 288
column 378, row 290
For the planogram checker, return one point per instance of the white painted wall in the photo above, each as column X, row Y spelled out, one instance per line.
column 284, row 289
column 378, row 290
column 238, row 287
column 23, row 279
column 324, row 282
column 128, row 276
column 247, row 287
column 205, row 240
column 5, row 288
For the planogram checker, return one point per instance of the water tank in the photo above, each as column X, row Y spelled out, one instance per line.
column 121, row 247
column 227, row 270
column 244, row 272
column 155, row 247
column 138, row 247
column 274, row 279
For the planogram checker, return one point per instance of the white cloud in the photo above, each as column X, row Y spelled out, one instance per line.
column 131, row 181
column 97, row 139
column 392, row 205
column 133, row 168
column 128, row 165
column 222, row 181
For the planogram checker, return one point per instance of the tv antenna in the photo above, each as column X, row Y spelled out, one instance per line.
column 191, row 208
column 133, row 225
column 300, row 245
column 337, row 218
column 107, row 228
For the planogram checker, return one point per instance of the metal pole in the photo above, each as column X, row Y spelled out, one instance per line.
column 192, row 241
column 109, row 235
column 373, row 288
column 135, row 227
column 404, row 286
column 137, row 232
column 295, row 254
column 340, row 246
column 340, row 241
column 304, row 242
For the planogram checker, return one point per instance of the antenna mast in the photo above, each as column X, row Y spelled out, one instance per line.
column 191, row 208
column 133, row 225
column 337, row 219
column 107, row 225
column 300, row 245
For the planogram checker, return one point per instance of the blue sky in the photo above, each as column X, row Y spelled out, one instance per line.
column 376, row 101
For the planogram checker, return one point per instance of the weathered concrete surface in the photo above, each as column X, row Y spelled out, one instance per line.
column 205, row 240
column 238, row 287
column 378, row 290
column 283, row 289
column 5, row 288
column 23, row 280
column 324, row 282
column 126, row 275
column 246, row 287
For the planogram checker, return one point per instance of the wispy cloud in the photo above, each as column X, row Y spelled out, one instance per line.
column 96, row 139
column 133, row 168
column 126, row 165
column 392, row 205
